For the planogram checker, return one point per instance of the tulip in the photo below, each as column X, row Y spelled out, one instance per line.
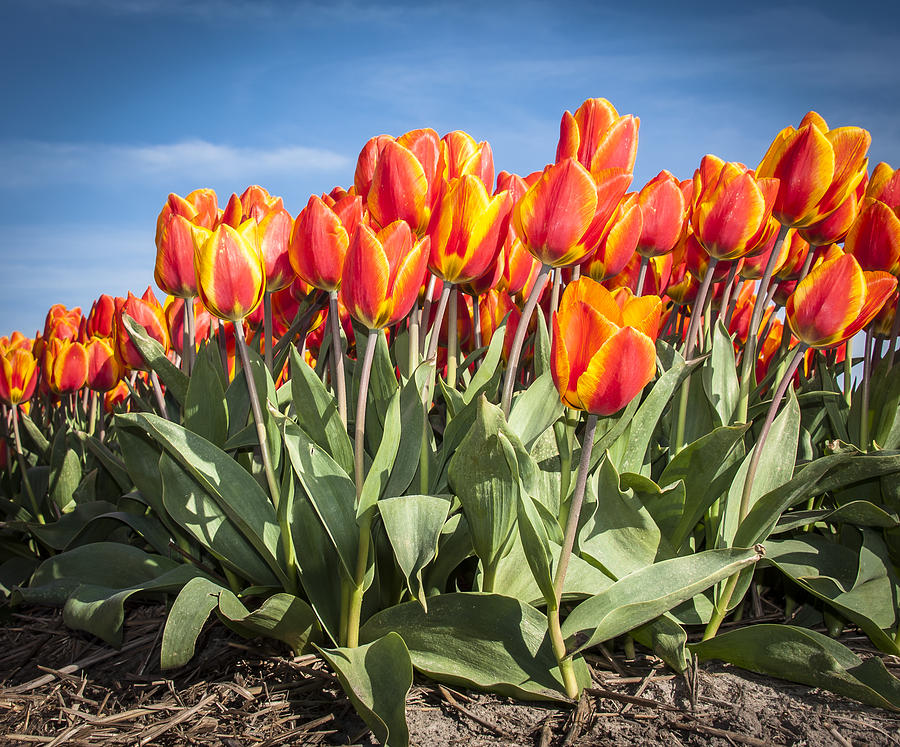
column 383, row 273
column 797, row 251
column 818, row 168
column 598, row 137
column 116, row 399
column 496, row 306
column 174, row 269
column 230, row 271
column 62, row 323
column 318, row 245
column 18, row 376
column 174, row 313
column 101, row 321
column 147, row 312
column 461, row 155
column 833, row 228
column 836, row 300
column 65, row 366
column 603, row 351
column 663, row 208
column 619, row 243
column 874, row 237
column 104, row 369
column 16, row 341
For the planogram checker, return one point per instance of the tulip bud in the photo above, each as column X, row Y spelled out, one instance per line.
column 230, row 271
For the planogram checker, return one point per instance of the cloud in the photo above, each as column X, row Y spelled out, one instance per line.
column 30, row 163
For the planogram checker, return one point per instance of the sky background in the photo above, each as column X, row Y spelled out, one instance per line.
column 109, row 105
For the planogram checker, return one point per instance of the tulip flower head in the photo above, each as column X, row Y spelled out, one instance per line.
column 663, row 208
column 598, row 137
column 318, row 245
column 147, row 312
column 836, row 300
column 18, row 376
column 874, row 237
column 603, row 351
column 65, row 366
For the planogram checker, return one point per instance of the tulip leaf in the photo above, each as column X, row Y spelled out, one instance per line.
column 376, row 678
column 858, row 513
column 454, row 546
column 376, row 479
column 535, row 410
column 205, row 412
column 65, row 472
column 536, row 546
column 281, row 616
column 412, row 424
column 643, row 424
column 413, row 524
column 155, row 355
column 330, row 490
column 487, row 377
column 111, row 463
column 666, row 638
column 484, row 641
column 776, row 467
column 805, row 656
column 189, row 613
column 542, row 364
column 239, row 497
column 648, row 593
column 316, row 412
column 719, row 376
column 705, row 466
column 34, row 433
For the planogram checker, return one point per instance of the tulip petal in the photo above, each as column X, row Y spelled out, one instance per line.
column 618, row 372
column 827, row 301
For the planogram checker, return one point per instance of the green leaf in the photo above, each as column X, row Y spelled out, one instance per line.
column 698, row 465
column 486, row 378
column 801, row 655
column 776, row 467
column 61, row 533
column 412, row 424
column 34, row 433
column 281, row 616
column 536, row 544
column 485, row 641
column 380, row 470
column 330, row 490
column 110, row 461
column 239, row 496
column 65, row 472
column 858, row 513
column 189, row 613
column 198, row 513
column 316, row 412
column 205, row 412
column 648, row 593
column 376, row 678
column 413, row 524
column 642, row 426
column 535, row 410
column 155, row 354
column 541, row 344
column 719, row 376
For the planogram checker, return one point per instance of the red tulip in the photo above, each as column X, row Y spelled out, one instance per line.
column 318, row 245
column 65, row 366
column 104, row 369
column 18, row 376
column 147, row 312
column 663, row 208
column 618, row 244
column 598, row 137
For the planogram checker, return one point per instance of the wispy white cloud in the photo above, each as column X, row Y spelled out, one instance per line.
column 29, row 163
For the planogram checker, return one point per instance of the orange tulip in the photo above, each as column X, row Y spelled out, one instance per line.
column 797, row 251
column 18, row 376
column 818, row 168
column 104, row 369
column 466, row 230
column 230, row 271
column 62, row 323
column 603, row 351
column 147, row 312
column 834, row 227
column 16, row 341
column 65, row 366
column 598, row 137
column 496, row 306
column 619, row 242
column 318, row 245
column 383, row 273
column 101, row 320
column 874, row 237
column 274, row 232
column 174, row 269
column 836, row 300
column 116, row 399
column 461, row 155
column 730, row 208
column 663, row 209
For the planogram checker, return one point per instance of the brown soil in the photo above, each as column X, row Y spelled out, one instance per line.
column 59, row 687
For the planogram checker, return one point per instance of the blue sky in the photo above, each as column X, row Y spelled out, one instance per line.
column 109, row 105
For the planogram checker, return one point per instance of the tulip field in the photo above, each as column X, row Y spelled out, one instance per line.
column 473, row 426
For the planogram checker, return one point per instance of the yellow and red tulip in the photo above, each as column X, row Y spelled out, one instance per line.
column 174, row 313
column 618, row 244
column 62, row 323
column 818, row 168
column 116, row 399
column 383, row 273
column 102, row 319
column 834, row 227
column 874, row 237
column 275, row 225
column 730, row 208
column 603, row 353
column 836, row 300
column 798, row 249
column 461, row 154
column 663, row 209
column 65, row 366
column 467, row 229
column 147, row 312
column 231, row 276
column 598, row 137
column 495, row 306
column 318, row 245
column 16, row 341
column 104, row 369
column 174, row 269
column 18, row 376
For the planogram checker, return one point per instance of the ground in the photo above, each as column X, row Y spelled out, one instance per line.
column 60, row 687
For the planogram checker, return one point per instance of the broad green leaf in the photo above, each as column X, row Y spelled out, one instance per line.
column 485, row 641
column 802, row 655
column 61, row 533
column 412, row 423
column 316, row 412
column 454, row 546
column 141, row 457
column 15, row 572
column 535, row 410
column 536, row 546
column 198, row 513
column 281, row 616
column 861, row 468
column 205, row 410
column 648, row 593
column 376, row 678
column 380, row 471
column 719, row 376
column 112, row 463
column 413, row 524
column 330, row 490
column 175, row 380
column 189, row 613
column 34, row 433
column 238, row 495
column 776, row 467
column 666, row 638
column 699, row 465
column 65, row 472
column 488, row 370
column 541, row 344
column 858, row 513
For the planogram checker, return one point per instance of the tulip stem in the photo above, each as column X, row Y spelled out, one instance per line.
column 20, row 457
column 426, row 312
column 748, row 361
column 189, row 336
column 642, row 275
column 515, row 351
column 223, row 347
column 476, row 320
column 413, row 334
column 354, row 609
column 722, row 604
column 267, row 330
column 438, row 321
column 452, row 337
column 895, row 333
column 555, row 289
column 864, row 404
column 730, row 283
column 92, row 417
column 158, row 394
column 565, row 553
column 340, row 384
column 848, row 372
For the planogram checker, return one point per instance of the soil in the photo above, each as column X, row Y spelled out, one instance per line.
column 63, row 687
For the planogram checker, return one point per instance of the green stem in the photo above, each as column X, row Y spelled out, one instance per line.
column 566, row 668
column 864, row 405
column 848, row 372
column 642, row 275
column 555, row 290
column 20, row 457
column 489, row 578
column 274, row 489
column 565, row 464
column 476, row 320
column 748, row 361
column 426, row 312
column 414, row 338
column 452, row 338
column 267, row 329
column 340, row 383
column 521, row 330
column 158, row 394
